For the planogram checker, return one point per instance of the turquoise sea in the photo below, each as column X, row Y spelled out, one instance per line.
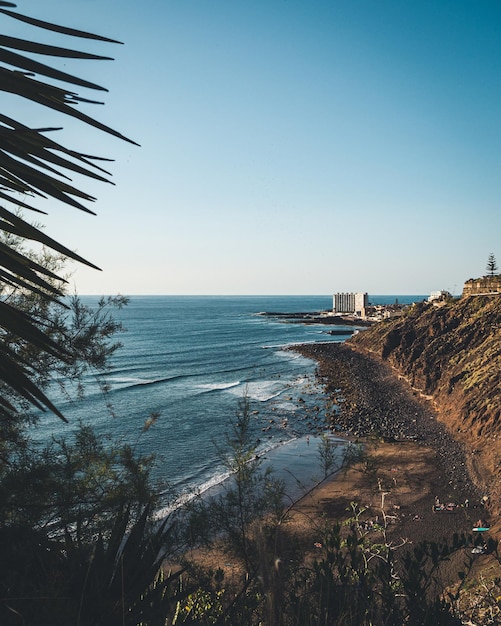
column 190, row 359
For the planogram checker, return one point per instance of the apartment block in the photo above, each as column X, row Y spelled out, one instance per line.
column 350, row 303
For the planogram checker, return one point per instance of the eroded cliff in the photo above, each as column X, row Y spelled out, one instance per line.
column 452, row 353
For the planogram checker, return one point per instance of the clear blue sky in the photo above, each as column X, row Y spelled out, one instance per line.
column 287, row 147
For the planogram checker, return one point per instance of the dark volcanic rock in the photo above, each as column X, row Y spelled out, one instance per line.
column 373, row 400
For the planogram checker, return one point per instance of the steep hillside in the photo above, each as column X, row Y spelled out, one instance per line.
column 452, row 353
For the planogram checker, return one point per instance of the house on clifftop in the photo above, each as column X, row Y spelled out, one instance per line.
column 487, row 285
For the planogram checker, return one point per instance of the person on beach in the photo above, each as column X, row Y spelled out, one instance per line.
column 485, row 501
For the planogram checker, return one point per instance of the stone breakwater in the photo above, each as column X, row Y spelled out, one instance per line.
column 373, row 400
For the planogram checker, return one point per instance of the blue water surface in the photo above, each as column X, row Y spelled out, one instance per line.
column 190, row 359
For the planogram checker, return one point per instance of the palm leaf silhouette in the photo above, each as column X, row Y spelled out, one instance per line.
column 32, row 165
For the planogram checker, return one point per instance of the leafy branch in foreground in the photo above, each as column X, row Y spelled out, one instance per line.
column 115, row 581
column 32, row 165
column 77, row 486
column 250, row 493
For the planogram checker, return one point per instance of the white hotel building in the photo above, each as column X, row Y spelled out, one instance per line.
column 350, row 303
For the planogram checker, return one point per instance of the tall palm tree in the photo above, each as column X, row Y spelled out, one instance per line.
column 33, row 166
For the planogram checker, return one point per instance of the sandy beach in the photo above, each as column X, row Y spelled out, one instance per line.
column 397, row 484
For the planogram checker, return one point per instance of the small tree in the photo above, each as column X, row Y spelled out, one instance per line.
column 492, row 266
column 327, row 454
column 248, row 494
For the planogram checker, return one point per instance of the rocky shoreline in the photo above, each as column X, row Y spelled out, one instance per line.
column 373, row 400
column 318, row 317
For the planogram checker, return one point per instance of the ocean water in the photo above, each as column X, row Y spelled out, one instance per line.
column 191, row 359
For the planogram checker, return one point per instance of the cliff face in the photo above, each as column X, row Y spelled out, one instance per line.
column 452, row 353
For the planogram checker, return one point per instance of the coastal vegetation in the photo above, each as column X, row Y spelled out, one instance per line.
column 74, row 513
column 492, row 266
column 250, row 493
column 36, row 168
column 79, row 540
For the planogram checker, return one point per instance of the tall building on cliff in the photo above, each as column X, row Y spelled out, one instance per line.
column 350, row 303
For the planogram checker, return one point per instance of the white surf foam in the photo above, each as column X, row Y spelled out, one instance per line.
column 287, row 407
column 262, row 390
column 191, row 493
column 121, row 382
column 294, row 460
column 219, row 386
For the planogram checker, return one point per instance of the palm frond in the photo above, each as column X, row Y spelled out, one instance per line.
column 34, row 166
